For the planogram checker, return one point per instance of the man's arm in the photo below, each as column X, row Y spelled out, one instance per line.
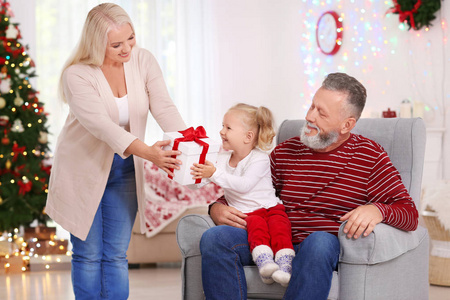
column 388, row 202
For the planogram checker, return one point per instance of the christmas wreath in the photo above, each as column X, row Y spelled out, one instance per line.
column 416, row 13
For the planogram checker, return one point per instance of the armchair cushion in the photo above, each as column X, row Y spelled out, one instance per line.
column 384, row 244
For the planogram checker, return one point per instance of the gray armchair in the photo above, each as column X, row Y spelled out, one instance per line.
column 387, row 264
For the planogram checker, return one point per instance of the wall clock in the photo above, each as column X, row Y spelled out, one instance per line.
column 329, row 32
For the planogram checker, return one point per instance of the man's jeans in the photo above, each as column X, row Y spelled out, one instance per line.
column 225, row 251
column 99, row 264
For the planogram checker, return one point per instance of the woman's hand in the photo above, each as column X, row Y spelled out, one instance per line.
column 161, row 158
column 200, row 171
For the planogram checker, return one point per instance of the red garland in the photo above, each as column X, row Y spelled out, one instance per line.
column 403, row 15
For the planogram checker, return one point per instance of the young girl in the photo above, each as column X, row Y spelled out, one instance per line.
column 244, row 174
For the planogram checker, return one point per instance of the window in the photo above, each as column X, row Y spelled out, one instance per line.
column 174, row 31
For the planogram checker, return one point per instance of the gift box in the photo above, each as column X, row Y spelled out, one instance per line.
column 39, row 232
column 195, row 147
column 7, row 248
column 12, row 264
column 50, row 263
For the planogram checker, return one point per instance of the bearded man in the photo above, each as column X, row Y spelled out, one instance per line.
column 325, row 176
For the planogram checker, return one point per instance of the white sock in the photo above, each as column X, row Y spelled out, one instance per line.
column 263, row 258
column 284, row 259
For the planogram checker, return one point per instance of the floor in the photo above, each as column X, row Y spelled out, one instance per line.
column 145, row 283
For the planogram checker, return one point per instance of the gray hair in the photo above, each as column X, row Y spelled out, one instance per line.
column 356, row 92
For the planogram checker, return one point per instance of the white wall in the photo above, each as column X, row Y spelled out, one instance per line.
column 268, row 56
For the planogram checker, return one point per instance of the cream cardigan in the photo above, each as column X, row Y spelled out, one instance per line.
column 91, row 135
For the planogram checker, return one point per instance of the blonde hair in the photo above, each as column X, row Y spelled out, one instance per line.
column 260, row 119
column 91, row 48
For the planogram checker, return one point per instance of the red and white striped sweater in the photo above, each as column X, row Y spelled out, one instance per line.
column 318, row 188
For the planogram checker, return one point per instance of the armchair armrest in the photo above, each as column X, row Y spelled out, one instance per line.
column 189, row 232
column 190, row 229
column 383, row 244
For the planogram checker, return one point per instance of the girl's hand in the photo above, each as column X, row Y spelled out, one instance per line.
column 200, row 171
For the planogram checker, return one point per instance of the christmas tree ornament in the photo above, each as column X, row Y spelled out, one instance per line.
column 5, row 140
column 17, row 126
column 8, row 165
column 4, row 120
column 5, row 86
column 43, row 137
column 12, row 32
column 18, row 101
column 2, row 102
column 4, row 69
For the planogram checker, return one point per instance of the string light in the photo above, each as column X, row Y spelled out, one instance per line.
column 367, row 46
column 26, row 252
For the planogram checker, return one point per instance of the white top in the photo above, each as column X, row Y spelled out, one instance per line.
column 124, row 115
column 248, row 187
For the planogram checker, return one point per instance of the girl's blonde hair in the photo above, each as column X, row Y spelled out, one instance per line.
column 259, row 119
column 91, row 48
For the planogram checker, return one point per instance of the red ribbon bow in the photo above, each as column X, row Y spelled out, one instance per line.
column 46, row 169
column 192, row 135
column 397, row 9
column 24, row 187
column 17, row 150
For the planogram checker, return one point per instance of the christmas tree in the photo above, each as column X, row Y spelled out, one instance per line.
column 24, row 173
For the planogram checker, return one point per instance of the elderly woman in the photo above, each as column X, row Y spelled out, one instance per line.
column 97, row 184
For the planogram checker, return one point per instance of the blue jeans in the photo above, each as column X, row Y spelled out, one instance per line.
column 99, row 264
column 225, row 252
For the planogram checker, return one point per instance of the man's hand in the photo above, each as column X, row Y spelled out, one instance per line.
column 200, row 171
column 223, row 214
column 364, row 217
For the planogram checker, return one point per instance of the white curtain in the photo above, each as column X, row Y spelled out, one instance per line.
column 177, row 32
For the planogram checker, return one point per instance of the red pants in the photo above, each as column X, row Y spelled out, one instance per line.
column 270, row 227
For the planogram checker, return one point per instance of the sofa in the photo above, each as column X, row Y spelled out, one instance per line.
column 161, row 248
column 387, row 264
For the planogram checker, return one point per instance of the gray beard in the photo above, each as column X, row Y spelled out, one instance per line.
column 320, row 140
